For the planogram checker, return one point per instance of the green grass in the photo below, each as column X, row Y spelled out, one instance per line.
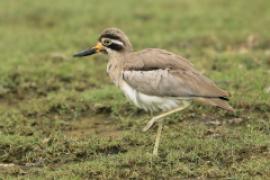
column 62, row 118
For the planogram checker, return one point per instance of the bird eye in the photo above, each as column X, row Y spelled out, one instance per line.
column 106, row 42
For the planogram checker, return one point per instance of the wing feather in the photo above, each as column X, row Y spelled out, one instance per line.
column 161, row 73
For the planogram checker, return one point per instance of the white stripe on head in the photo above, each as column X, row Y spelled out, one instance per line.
column 114, row 41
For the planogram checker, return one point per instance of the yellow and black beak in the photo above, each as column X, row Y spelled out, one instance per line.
column 96, row 49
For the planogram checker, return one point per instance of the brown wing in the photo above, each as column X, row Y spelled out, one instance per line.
column 161, row 73
column 152, row 59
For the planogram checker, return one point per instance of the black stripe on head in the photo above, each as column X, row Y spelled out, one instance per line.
column 116, row 47
column 113, row 46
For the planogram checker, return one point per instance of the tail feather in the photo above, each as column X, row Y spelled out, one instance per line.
column 221, row 103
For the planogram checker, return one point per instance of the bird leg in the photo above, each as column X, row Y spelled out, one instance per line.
column 159, row 117
column 159, row 130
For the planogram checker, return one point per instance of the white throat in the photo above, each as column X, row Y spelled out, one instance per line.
column 114, row 55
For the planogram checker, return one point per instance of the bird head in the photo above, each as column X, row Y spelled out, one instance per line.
column 111, row 40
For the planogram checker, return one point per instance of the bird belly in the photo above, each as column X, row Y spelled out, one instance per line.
column 148, row 102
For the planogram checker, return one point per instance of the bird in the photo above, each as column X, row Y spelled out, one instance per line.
column 154, row 79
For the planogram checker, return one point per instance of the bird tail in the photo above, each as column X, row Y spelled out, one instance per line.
column 217, row 102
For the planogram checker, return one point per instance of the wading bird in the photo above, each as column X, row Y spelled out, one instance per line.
column 154, row 79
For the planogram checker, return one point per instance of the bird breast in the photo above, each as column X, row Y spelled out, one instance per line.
column 114, row 72
column 148, row 102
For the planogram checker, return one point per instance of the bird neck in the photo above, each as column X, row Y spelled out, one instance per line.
column 117, row 58
column 115, row 66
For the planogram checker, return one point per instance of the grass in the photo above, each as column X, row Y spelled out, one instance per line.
column 62, row 118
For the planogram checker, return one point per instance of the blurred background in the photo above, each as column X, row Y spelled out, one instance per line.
column 62, row 117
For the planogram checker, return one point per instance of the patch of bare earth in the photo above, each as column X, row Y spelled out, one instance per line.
column 96, row 125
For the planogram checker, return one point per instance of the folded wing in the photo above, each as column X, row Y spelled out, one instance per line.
column 161, row 73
